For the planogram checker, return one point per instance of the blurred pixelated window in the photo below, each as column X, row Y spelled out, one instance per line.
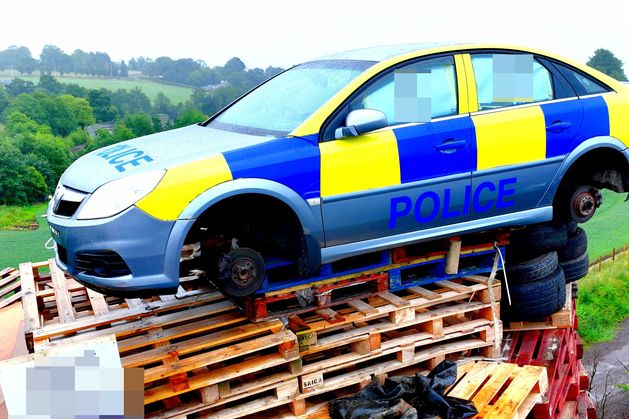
column 510, row 79
column 414, row 93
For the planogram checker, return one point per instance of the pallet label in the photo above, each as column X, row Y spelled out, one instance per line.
column 307, row 339
column 311, row 381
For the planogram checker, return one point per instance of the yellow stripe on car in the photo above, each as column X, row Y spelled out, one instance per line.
column 181, row 184
column 618, row 109
column 512, row 137
column 470, row 82
column 359, row 163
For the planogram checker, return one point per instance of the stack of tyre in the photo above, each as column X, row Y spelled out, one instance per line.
column 541, row 260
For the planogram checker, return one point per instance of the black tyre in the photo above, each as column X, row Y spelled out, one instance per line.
column 245, row 273
column 533, row 270
column 571, row 226
column 577, row 268
column 576, row 246
column 536, row 300
column 536, row 240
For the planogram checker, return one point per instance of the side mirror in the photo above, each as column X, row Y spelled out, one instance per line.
column 361, row 121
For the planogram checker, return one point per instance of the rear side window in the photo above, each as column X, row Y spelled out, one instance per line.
column 582, row 83
column 510, row 79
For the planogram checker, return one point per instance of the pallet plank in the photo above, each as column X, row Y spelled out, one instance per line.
column 99, row 305
column 209, row 358
column 29, row 301
column 64, row 305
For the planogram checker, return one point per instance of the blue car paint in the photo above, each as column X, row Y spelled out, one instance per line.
column 124, row 234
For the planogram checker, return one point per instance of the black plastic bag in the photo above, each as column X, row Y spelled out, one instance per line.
column 406, row 398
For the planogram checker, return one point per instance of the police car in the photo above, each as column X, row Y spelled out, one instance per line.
column 346, row 155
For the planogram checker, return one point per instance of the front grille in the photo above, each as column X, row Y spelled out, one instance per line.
column 104, row 263
column 63, row 254
column 66, row 201
column 66, row 208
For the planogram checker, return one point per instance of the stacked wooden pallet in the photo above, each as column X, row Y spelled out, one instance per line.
column 560, row 352
column 57, row 309
column 555, row 344
column 201, row 354
column 341, row 349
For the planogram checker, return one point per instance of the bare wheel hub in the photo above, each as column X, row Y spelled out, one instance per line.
column 584, row 204
column 243, row 271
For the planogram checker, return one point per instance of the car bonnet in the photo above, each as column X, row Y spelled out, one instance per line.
column 157, row 151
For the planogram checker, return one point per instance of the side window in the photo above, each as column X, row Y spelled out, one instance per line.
column 582, row 83
column 510, row 79
column 415, row 93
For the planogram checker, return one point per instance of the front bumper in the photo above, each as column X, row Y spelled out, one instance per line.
column 149, row 247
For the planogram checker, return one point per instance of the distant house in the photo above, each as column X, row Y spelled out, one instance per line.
column 223, row 83
column 91, row 129
column 163, row 118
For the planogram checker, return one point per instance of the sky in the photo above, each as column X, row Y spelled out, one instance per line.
column 284, row 33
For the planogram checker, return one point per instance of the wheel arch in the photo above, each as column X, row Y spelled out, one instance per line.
column 308, row 216
column 594, row 149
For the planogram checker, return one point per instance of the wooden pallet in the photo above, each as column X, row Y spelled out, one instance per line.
column 559, row 351
column 228, row 364
column 328, row 293
column 501, row 390
column 371, row 335
column 10, row 286
column 392, row 307
column 380, row 337
column 346, row 382
column 566, row 318
column 57, row 309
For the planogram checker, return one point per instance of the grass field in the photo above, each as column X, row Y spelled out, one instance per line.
column 26, row 245
column 176, row 94
column 603, row 301
column 19, row 218
column 609, row 227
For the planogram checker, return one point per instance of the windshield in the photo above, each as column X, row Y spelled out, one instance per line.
column 280, row 105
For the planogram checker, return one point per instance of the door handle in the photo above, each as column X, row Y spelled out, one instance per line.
column 450, row 146
column 558, row 126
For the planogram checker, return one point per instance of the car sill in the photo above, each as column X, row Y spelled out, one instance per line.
column 532, row 216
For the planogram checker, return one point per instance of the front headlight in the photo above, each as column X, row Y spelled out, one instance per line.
column 118, row 195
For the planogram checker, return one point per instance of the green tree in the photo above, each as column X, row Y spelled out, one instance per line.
column 139, row 124
column 80, row 109
column 189, row 117
column 100, row 100
column 605, row 61
column 49, row 84
column 234, row 64
column 20, row 124
column 4, row 99
column 53, row 149
column 18, row 86
column 28, row 105
column 130, row 101
column 53, row 59
column 17, row 58
column 20, row 183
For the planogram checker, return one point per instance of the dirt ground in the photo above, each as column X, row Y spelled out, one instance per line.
column 11, row 339
column 607, row 359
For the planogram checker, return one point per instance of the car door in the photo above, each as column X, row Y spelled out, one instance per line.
column 414, row 174
column 528, row 117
